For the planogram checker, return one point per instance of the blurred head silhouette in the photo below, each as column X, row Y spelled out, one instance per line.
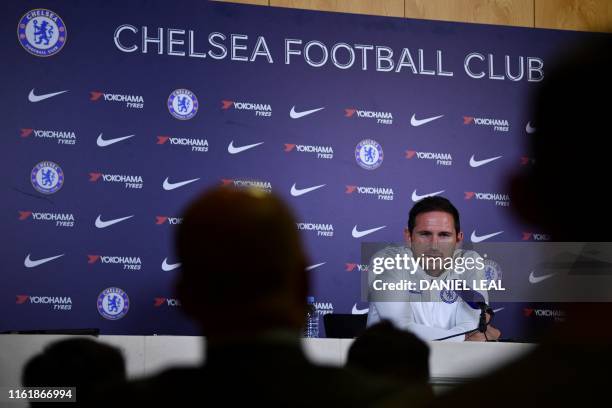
column 243, row 266
column 78, row 362
column 385, row 350
column 561, row 192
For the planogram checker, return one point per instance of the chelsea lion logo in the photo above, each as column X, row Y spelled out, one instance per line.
column 41, row 32
column 47, row 177
column 369, row 154
column 448, row 296
column 113, row 303
column 492, row 271
column 182, row 104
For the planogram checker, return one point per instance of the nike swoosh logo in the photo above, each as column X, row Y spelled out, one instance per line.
column 171, row 186
column 231, row 149
column 476, row 239
column 360, row 311
column 498, row 310
column 29, row 263
column 296, row 192
column 538, row 279
column 37, row 98
column 359, row 234
column 297, row 115
column 103, row 143
column 311, row 267
column 478, row 163
column 529, row 129
column 418, row 122
column 104, row 224
column 416, row 197
column 169, row 267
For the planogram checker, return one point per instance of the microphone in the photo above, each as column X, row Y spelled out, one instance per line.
column 476, row 301
column 472, row 297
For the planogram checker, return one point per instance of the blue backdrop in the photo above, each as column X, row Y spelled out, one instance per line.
column 116, row 114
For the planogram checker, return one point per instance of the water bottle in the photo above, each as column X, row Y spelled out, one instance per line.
column 312, row 319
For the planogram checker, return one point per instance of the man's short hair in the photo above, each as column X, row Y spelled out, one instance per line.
column 435, row 203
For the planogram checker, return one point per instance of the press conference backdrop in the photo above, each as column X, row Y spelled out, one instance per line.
column 116, row 115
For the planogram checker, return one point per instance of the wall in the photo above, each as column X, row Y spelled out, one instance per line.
column 579, row 15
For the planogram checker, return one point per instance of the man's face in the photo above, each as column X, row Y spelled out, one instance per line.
column 433, row 236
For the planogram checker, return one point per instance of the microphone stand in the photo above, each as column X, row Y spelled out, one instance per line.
column 482, row 322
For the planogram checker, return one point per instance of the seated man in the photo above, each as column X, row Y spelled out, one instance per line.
column 432, row 235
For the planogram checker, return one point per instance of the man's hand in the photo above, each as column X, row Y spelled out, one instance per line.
column 475, row 336
column 491, row 334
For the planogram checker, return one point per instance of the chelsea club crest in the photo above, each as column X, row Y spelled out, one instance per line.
column 448, row 296
column 492, row 271
column 113, row 303
column 369, row 154
column 41, row 32
column 47, row 177
column 183, row 104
